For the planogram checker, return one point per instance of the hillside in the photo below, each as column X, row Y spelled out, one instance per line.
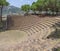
column 12, row 9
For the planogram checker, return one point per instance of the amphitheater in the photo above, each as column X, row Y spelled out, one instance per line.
column 36, row 29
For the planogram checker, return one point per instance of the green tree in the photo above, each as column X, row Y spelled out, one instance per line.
column 2, row 4
column 34, row 7
column 25, row 8
column 46, row 5
column 40, row 5
column 43, row 5
column 54, row 6
column 57, row 9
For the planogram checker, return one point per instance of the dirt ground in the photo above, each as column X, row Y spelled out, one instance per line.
column 11, row 37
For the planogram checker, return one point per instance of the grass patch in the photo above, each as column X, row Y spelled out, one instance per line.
column 56, row 49
column 55, row 34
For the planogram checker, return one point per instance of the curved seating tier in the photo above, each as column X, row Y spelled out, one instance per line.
column 37, row 30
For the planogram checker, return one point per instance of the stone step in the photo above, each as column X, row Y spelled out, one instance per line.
column 47, row 31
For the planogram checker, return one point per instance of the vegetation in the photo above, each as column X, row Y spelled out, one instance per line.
column 25, row 8
column 1, row 25
column 52, row 6
column 56, row 49
column 34, row 7
column 2, row 4
column 56, row 33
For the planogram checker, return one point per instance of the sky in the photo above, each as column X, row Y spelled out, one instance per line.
column 19, row 3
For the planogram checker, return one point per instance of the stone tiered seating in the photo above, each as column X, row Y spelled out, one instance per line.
column 37, row 30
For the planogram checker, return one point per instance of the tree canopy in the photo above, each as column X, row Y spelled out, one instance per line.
column 44, row 5
column 3, row 3
column 34, row 6
column 25, row 7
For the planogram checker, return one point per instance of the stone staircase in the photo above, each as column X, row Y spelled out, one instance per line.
column 36, row 35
